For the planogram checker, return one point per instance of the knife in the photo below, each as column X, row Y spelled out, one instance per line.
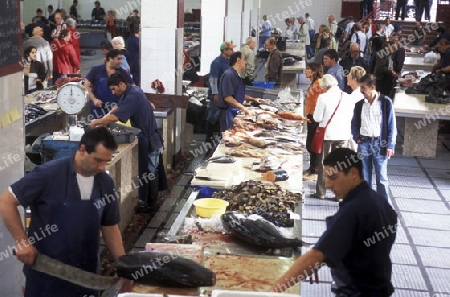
column 208, row 178
column 72, row 274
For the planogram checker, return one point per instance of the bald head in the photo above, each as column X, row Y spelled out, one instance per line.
column 37, row 31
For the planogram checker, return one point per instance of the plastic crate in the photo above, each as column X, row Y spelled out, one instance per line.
column 57, row 149
column 264, row 84
column 127, row 134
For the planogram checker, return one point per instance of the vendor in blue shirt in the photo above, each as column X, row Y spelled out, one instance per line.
column 96, row 83
column 232, row 92
column 133, row 105
column 359, row 237
column 68, row 205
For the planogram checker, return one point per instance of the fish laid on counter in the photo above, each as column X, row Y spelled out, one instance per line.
column 255, row 230
column 268, row 200
column 289, row 115
column 164, row 269
column 246, row 151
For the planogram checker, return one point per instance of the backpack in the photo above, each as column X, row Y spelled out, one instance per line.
column 344, row 50
column 368, row 49
column 339, row 32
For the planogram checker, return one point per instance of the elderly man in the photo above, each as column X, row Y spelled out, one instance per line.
column 350, row 61
column 44, row 53
column 60, row 25
column 274, row 64
column 247, row 50
column 330, row 62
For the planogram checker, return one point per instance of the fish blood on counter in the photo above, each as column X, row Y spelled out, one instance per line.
column 164, row 269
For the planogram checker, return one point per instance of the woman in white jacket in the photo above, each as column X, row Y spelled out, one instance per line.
column 338, row 131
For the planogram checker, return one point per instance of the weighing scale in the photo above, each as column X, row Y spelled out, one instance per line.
column 71, row 98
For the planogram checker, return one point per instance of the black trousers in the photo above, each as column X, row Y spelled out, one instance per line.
column 400, row 9
column 311, row 130
column 247, row 81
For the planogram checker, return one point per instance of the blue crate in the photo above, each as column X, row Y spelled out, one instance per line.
column 264, row 84
column 57, row 149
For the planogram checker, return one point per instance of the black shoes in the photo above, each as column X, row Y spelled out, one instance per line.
column 142, row 207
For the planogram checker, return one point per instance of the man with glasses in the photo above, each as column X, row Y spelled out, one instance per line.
column 101, row 98
column 350, row 61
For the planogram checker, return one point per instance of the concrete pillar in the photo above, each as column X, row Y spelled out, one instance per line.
column 233, row 22
column 162, row 29
column 212, row 30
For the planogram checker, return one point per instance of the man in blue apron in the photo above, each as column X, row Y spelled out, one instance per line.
column 101, row 98
column 134, row 106
column 232, row 92
column 69, row 208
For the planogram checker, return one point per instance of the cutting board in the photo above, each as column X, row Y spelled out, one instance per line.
column 193, row 252
column 248, row 273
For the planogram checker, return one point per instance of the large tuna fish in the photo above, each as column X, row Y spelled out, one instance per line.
column 257, row 231
column 164, row 269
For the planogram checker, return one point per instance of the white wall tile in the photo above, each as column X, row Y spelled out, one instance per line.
column 157, row 14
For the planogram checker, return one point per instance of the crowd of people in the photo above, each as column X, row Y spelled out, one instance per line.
column 57, row 43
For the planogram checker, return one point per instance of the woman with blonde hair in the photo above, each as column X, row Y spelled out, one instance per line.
column 314, row 71
column 111, row 23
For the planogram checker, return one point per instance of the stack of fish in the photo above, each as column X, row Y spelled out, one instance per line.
column 32, row 112
column 268, row 200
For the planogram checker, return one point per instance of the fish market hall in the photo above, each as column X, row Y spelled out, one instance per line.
column 224, row 148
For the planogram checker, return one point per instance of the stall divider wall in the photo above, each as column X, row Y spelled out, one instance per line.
column 12, row 156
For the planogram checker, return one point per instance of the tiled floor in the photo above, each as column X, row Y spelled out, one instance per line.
column 420, row 194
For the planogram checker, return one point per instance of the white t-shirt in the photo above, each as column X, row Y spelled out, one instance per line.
column 85, row 184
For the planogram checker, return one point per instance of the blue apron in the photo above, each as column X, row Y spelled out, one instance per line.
column 103, row 92
column 227, row 115
column 75, row 243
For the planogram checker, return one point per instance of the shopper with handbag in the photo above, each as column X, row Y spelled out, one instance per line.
column 334, row 111
column 314, row 71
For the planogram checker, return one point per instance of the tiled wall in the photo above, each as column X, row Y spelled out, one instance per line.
column 11, row 169
column 234, row 22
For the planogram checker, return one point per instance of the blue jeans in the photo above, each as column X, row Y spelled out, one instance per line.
column 153, row 160
column 371, row 158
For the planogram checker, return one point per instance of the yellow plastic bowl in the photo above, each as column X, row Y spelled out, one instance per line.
column 207, row 207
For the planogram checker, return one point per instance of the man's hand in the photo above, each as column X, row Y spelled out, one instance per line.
column 389, row 153
column 97, row 102
column 26, row 253
column 95, row 123
column 153, row 106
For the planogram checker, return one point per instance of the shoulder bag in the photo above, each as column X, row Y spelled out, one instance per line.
column 317, row 142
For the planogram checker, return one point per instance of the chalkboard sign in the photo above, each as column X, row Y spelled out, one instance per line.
column 10, row 54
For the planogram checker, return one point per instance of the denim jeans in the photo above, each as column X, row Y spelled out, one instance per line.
column 371, row 158
column 153, row 160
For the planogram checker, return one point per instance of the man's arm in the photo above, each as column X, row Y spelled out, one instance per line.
column 300, row 270
column 106, row 120
column 113, row 240
column 95, row 101
column 25, row 251
column 233, row 102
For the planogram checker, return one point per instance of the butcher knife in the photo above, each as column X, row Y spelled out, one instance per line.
column 72, row 274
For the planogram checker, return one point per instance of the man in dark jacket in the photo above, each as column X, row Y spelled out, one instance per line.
column 349, row 61
column 274, row 64
column 374, row 130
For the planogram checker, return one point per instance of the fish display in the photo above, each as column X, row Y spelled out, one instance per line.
column 164, row 269
column 256, row 231
column 267, row 199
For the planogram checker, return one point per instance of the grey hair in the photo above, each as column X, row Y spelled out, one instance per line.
column 249, row 39
column 118, row 40
column 328, row 81
column 71, row 22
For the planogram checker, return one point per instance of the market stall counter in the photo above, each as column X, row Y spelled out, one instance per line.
column 421, row 123
column 417, row 63
column 239, row 170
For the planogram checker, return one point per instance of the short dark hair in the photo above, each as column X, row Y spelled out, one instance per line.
column 97, row 2
column 38, row 10
column 234, row 57
column 332, row 54
column 368, row 79
column 115, row 79
column 113, row 53
column 28, row 50
column 343, row 159
column 95, row 136
column 50, row 6
column 272, row 41
column 106, row 44
column 64, row 33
